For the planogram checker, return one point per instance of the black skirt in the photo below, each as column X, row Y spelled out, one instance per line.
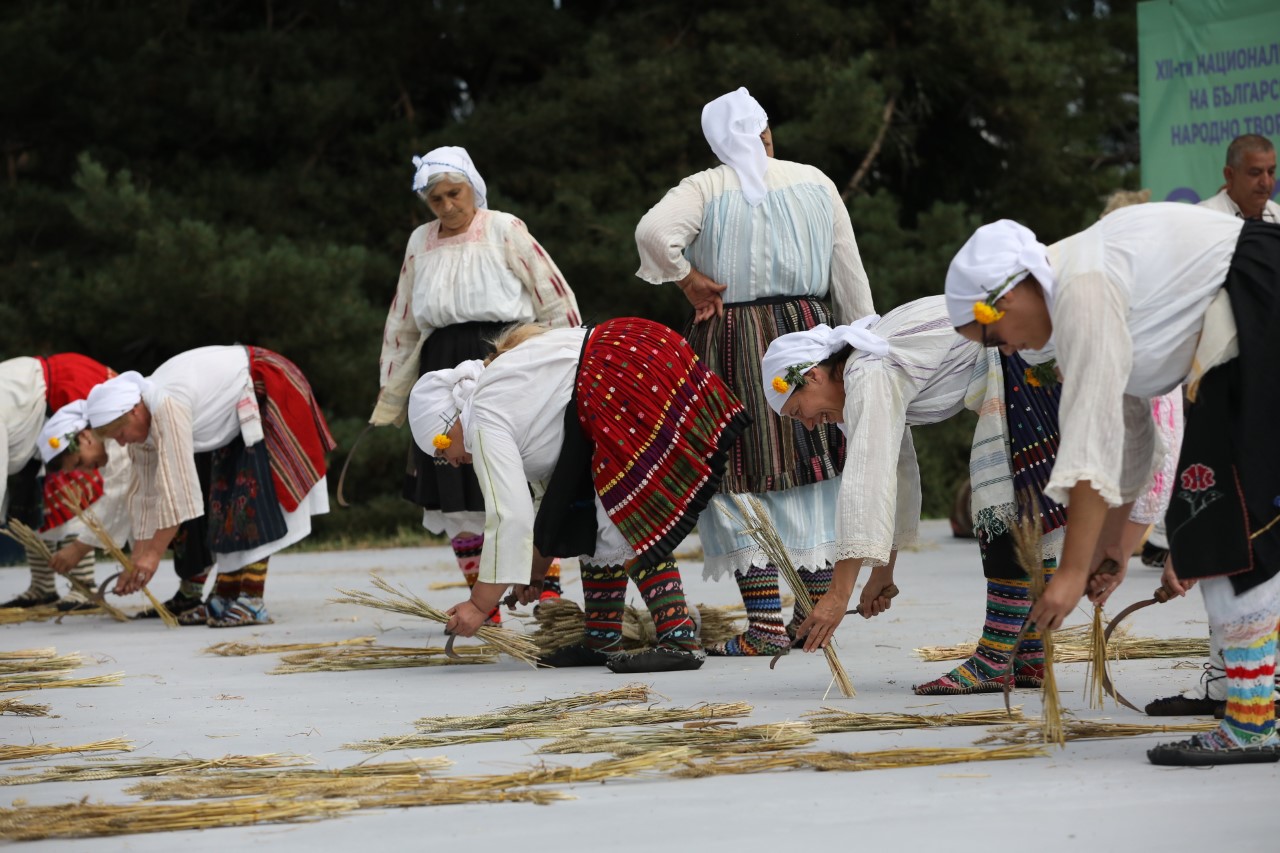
column 433, row 483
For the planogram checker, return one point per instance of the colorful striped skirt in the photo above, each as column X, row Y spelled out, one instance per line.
column 297, row 436
column 661, row 425
column 774, row 453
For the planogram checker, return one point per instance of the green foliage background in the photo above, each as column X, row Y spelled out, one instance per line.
column 181, row 174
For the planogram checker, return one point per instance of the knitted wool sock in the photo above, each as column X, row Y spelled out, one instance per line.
column 817, row 582
column 551, row 583
column 765, row 634
column 83, row 572
column 663, row 594
column 1029, row 668
column 253, row 579
column 604, row 594
column 466, row 549
column 193, row 587
column 1251, row 668
column 227, row 584
column 41, row 586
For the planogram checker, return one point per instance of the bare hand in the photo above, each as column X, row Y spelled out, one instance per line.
column 68, row 557
column 1060, row 598
column 820, row 626
column 465, row 619
column 526, row 593
column 1170, row 581
column 873, row 601
column 1102, row 584
column 703, row 294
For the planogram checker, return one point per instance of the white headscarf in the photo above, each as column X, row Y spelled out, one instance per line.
column 61, row 429
column 732, row 124
column 990, row 263
column 113, row 398
column 449, row 158
column 440, row 397
column 802, row 350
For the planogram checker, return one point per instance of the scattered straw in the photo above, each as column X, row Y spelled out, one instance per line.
column 761, row 529
column 16, row 707
column 1029, row 731
column 242, row 649
column 29, row 654
column 135, row 767
column 50, row 681
column 857, row 761
column 533, row 712
column 28, row 539
column 383, row 657
column 42, row 750
column 53, row 663
column 832, row 720
column 283, row 783
column 1072, row 645
column 402, row 601
column 702, row 741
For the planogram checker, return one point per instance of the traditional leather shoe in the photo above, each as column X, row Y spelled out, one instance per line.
column 655, row 660
column 575, row 655
column 31, row 599
column 1190, row 753
column 71, row 605
column 1181, row 706
column 177, row 605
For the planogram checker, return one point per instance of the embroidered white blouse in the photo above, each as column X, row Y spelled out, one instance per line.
column 198, row 401
column 22, row 408
column 922, row 380
column 1127, row 312
column 797, row 242
column 495, row 272
column 514, row 433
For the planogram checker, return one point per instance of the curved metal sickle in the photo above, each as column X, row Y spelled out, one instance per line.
column 888, row 592
column 1160, row 596
column 342, row 478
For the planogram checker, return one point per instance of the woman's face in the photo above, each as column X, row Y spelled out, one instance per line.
column 135, row 427
column 766, row 137
column 453, row 203
column 455, row 454
column 1026, row 324
column 90, row 455
column 818, row 402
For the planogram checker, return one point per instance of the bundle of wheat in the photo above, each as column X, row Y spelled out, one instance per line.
column 831, row 720
column 18, row 708
column 112, row 768
column 701, row 741
column 242, row 649
column 1091, row 729
column 856, row 761
column 21, row 752
column 52, row 680
column 1026, row 532
column 381, row 657
column 283, row 783
column 560, row 623
column 28, row 539
column 536, row 711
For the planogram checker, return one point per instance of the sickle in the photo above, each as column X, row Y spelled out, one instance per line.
column 97, row 596
column 1160, row 596
column 342, row 478
column 888, row 592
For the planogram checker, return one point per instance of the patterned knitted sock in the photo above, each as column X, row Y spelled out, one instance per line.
column 466, row 549
column 663, row 594
column 1008, row 603
column 1251, row 667
column 765, row 634
column 83, row 572
column 193, row 587
column 817, row 582
column 604, row 595
column 253, row 579
column 551, row 583
column 227, row 584
column 1029, row 668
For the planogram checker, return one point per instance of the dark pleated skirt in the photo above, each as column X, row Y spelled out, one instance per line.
column 433, row 483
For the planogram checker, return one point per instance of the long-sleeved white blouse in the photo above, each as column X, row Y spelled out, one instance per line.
column 1127, row 310
column 922, row 380
column 22, row 407
column 797, row 242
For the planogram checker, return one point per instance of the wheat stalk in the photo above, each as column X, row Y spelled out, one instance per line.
column 43, row 681
column 1026, row 534
column 25, row 536
column 857, row 761
column 1091, row 729
column 391, row 657
column 242, row 649
column 701, row 741
column 112, row 768
column 21, row 752
column 831, row 720
column 19, row 708
column 535, row 711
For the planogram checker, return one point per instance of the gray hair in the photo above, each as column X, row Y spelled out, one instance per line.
column 437, row 177
column 1247, row 143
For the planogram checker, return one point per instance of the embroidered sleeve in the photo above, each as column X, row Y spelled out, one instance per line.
column 553, row 302
column 667, row 230
column 401, row 342
column 850, row 290
column 166, row 490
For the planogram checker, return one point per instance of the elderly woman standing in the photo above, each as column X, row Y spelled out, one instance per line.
column 1149, row 297
column 628, row 433
column 758, row 245
column 466, row 275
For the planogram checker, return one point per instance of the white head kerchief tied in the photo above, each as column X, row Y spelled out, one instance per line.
column 791, row 355
column 61, row 430
column 439, row 398
column 113, row 398
column 732, row 124
column 992, row 261
column 449, row 158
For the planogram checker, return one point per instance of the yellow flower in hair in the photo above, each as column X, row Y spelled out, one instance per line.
column 781, row 385
column 441, row 442
column 1030, row 376
column 986, row 314
column 55, row 442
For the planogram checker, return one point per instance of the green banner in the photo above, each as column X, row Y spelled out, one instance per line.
column 1209, row 71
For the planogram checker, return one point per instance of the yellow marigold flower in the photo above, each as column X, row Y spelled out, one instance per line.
column 441, row 442
column 55, row 442
column 986, row 314
column 780, row 385
column 1030, row 376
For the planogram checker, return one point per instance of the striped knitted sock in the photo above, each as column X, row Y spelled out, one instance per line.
column 253, row 579
column 604, row 595
column 817, row 582
column 227, row 584
column 83, row 572
column 1251, row 713
column 765, row 634
column 663, row 594
column 466, row 549
column 551, row 583
column 193, row 587
column 1008, row 603
column 1030, row 663
column 41, row 589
